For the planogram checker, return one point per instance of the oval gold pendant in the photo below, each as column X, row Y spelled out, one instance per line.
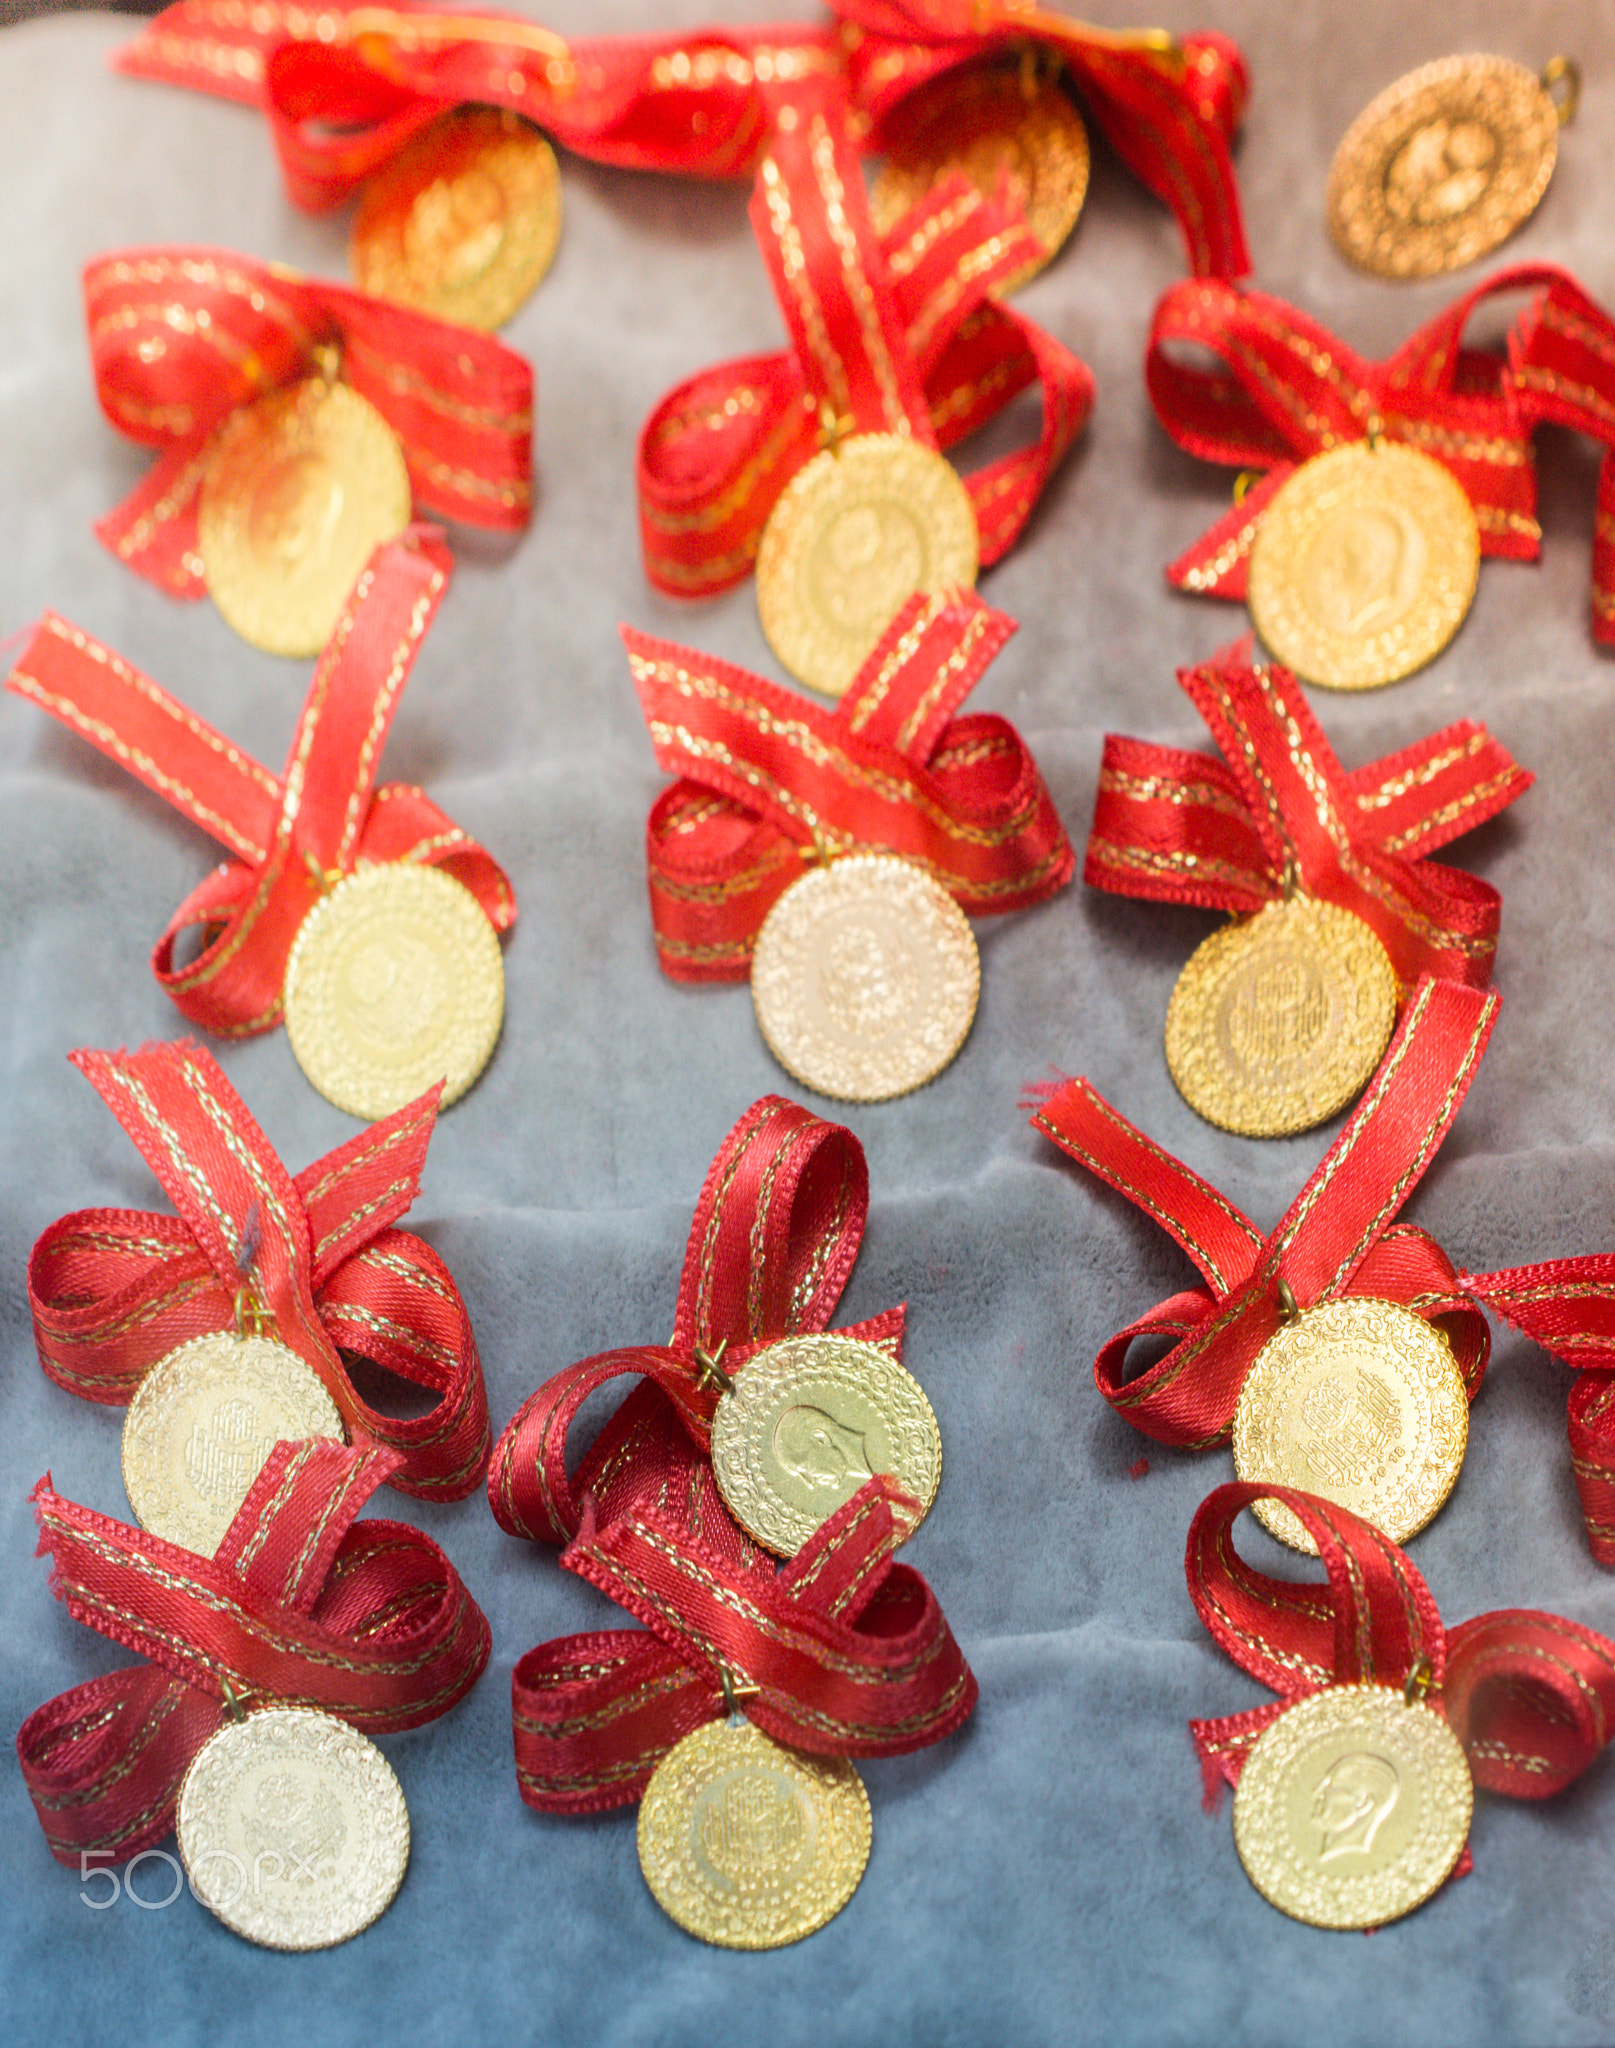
column 747, row 1844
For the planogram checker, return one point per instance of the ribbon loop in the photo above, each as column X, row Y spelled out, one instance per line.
column 1532, row 1699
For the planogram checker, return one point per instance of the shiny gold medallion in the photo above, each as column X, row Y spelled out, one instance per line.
column 1446, row 163
column 1278, row 1020
column 985, row 121
column 293, row 1828
column 1353, row 1807
column 865, row 978
column 394, row 981
column 808, row 1421
column 854, row 533
column 201, row 1424
column 747, row 1844
column 300, row 488
column 1364, row 565
column 1360, row 1401
column 462, row 223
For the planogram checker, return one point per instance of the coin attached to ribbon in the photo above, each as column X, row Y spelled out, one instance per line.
column 293, row 1828
column 1363, row 565
column 1278, row 1020
column 858, row 529
column 1352, row 1807
column 394, row 981
column 464, row 222
column 747, row 1844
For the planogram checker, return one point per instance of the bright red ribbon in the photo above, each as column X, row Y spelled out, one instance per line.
column 301, row 1606
column 114, row 1290
column 1279, row 811
column 1336, row 1241
column 767, row 779
column 290, row 839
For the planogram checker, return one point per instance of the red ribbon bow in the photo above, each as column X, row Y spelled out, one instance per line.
column 290, row 838
column 1336, row 1241
column 114, row 1290
column 302, row 1605
column 767, row 780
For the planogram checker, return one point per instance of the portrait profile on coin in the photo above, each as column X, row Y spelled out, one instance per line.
column 1354, row 1799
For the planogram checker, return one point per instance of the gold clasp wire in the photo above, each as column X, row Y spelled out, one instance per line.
column 1289, row 1308
column 709, row 1368
column 233, row 1699
column 252, row 1318
column 735, row 1690
column 1563, row 71
column 1421, row 1676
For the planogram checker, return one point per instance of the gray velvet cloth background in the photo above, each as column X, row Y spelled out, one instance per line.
column 1049, row 1874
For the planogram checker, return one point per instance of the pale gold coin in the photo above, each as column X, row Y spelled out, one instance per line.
column 747, row 1844
column 810, row 1420
column 463, row 222
column 983, row 121
column 1442, row 166
column 293, row 1828
column 1363, row 565
column 1278, row 1020
column 1353, row 1807
column 201, row 1424
column 865, row 978
column 1360, row 1401
column 394, row 981
column 853, row 535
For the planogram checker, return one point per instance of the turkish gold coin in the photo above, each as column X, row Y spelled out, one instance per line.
column 1360, row 1401
column 1364, row 565
column 293, row 1828
column 1278, row 1020
column 201, row 1424
column 1442, row 166
column 747, row 1844
column 394, row 981
column 865, row 978
column 1353, row 1807
column 463, row 223
column 982, row 121
column 852, row 536
column 810, row 1420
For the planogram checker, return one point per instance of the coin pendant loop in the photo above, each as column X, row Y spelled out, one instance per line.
column 1563, row 71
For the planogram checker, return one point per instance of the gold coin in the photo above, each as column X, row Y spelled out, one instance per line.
column 747, row 1844
column 1278, row 1020
column 293, row 1828
column 1352, row 1807
column 810, row 1420
column 982, row 121
column 1360, row 1401
column 1364, row 565
column 301, row 487
column 463, row 223
column 201, row 1424
column 852, row 536
column 865, row 978
column 394, row 981
column 1442, row 166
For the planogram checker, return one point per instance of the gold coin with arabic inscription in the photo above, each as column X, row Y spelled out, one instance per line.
column 394, row 981
column 463, row 222
column 1278, row 1020
column 1364, row 565
column 810, row 1420
column 301, row 487
column 1352, row 1807
column 201, row 1424
column 293, row 1828
column 865, row 978
column 747, row 1844
column 855, row 533
column 1360, row 1401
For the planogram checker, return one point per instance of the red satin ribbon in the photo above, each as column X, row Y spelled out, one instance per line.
column 1169, row 108
column 180, row 338
column 767, row 779
column 290, row 839
column 1279, row 811
column 301, row 1606
column 1336, row 1241
column 114, row 1290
